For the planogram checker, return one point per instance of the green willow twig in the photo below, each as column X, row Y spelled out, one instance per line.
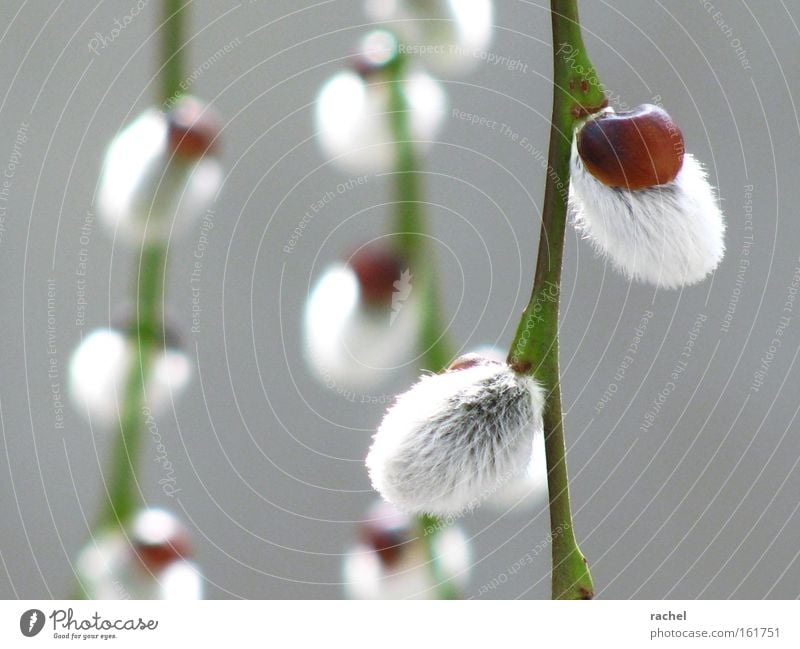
column 413, row 243
column 146, row 331
column 145, row 335
column 172, row 71
column 576, row 93
column 409, row 224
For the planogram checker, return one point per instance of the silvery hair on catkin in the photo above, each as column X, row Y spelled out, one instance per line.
column 455, row 438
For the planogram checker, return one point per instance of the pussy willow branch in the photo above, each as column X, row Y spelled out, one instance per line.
column 576, row 93
column 409, row 224
column 414, row 245
column 172, row 72
column 147, row 329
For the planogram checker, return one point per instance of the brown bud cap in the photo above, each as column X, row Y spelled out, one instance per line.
column 466, row 361
column 167, row 334
column 376, row 51
column 158, row 539
column 377, row 267
column 387, row 531
column 632, row 150
column 192, row 128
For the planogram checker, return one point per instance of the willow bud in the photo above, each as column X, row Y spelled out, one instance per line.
column 456, row 438
column 99, row 370
column 642, row 201
column 451, row 36
column 160, row 173
column 149, row 560
column 362, row 320
column 353, row 111
column 632, row 150
column 515, row 492
column 391, row 561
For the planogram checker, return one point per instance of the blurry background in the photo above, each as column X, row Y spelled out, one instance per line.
column 703, row 502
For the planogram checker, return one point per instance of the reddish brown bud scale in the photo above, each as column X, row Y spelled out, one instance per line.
column 192, row 129
column 387, row 532
column 466, row 361
column 363, row 67
column 368, row 68
column 158, row 539
column 632, row 150
column 375, row 52
column 377, row 267
column 155, row 557
column 167, row 335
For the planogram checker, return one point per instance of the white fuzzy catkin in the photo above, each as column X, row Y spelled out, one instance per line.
column 108, row 567
column 352, row 119
column 367, row 576
column 99, row 369
column 451, row 36
column 108, row 570
column 146, row 191
column 669, row 235
column 351, row 346
column 454, row 439
column 528, row 491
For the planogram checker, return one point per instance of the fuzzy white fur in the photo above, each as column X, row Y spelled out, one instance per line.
column 459, row 30
column 350, row 346
column 353, row 122
column 145, row 191
column 366, row 576
column 528, row 491
column 455, row 438
column 99, row 368
column 670, row 235
column 107, row 568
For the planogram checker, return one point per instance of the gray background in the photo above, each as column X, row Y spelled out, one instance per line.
column 702, row 504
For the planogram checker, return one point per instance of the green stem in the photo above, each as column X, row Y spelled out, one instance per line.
column 535, row 347
column 409, row 225
column 146, row 330
column 414, row 245
column 146, row 337
column 429, row 527
column 172, row 55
